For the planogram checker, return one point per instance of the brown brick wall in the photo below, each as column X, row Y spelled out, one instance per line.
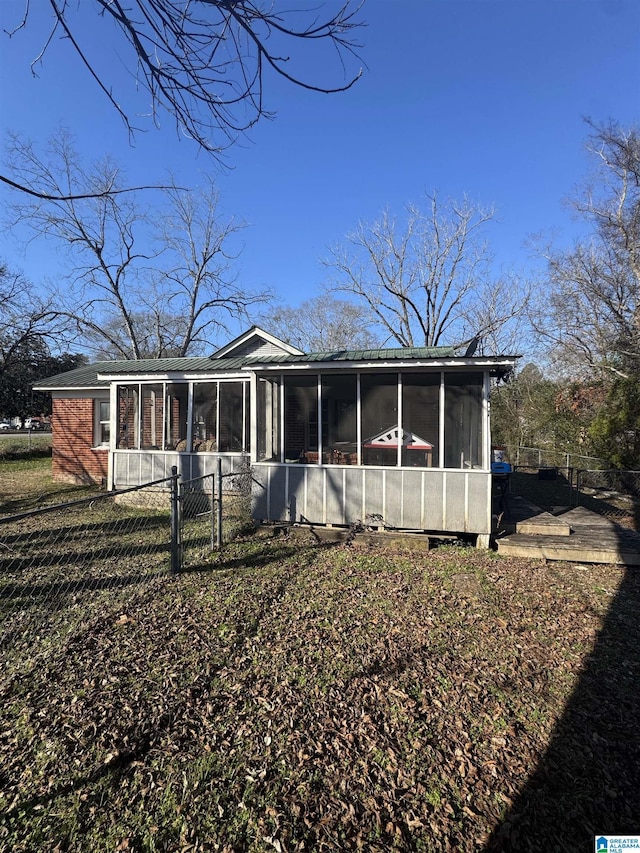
column 75, row 460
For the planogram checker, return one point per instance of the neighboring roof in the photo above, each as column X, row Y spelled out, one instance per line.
column 388, row 438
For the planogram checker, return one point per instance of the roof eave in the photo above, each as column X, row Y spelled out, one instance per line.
column 173, row 376
column 93, row 387
column 483, row 363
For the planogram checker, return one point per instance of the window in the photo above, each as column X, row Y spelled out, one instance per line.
column 232, row 425
column 155, row 416
column 379, row 407
column 102, row 421
column 247, row 417
column 176, row 405
column 128, row 417
column 339, row 419
column 152, row 410
column 381, row 419
column 204, row 430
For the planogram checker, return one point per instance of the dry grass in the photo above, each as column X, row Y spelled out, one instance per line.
column 26, row 483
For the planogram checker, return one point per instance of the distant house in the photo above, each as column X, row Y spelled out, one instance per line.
column 402, row 434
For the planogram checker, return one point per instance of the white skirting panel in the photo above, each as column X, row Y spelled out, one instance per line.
column 445, row 501
column 135, row 468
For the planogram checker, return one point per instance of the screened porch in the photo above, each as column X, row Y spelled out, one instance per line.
column 407, row 420
column 405, row 449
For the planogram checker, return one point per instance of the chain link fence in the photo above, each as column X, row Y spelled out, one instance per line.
column 614, row 493
column 604, row 483
column 538, row 457
column 61, row 565
column 66, row 564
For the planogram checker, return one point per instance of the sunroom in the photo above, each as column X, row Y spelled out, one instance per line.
column 410, row 419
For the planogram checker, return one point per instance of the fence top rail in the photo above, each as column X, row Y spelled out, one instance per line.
column 556, row 450
column 239, row 473
column 606, row 471
column 100, row 497
column 518, row 467
column 197, row 479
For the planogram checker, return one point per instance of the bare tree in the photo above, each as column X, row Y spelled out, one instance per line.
column 322, row 323
column 592, row 317
column 195, row 285
column 125, row 300
column 498, row 310
column 26, row 319
column 204, row 62
column 427, row 282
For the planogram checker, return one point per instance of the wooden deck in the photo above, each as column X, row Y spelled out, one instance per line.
column 577, row 535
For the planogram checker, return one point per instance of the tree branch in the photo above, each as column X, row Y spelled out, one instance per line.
column 79, row 196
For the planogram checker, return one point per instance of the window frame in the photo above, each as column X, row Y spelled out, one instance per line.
column 99, row 424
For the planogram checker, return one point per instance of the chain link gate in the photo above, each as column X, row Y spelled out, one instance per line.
column 199, row 517
column 210, row 510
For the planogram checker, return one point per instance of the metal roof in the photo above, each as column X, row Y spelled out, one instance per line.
column 100, row 374
column 390, row 354
column 174, row 365
column 81, row 377
column 96, row 375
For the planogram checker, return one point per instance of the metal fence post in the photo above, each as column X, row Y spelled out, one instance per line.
column 219, row 504
column 175, row 522
column 571, row 485
column 213, row 511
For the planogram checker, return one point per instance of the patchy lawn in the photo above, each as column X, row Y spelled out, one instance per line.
column 26, row 483
column 28, row 445
column 289, row 696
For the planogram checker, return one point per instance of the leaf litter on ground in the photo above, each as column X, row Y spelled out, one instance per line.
column 294, row 696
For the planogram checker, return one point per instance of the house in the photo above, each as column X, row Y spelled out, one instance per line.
column 401, row 435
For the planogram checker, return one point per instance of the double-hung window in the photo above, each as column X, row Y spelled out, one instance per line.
column 102, row 421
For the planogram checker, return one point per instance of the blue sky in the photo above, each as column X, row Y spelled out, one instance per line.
column 484, row 98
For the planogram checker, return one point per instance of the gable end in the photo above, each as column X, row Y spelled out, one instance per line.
column 256, row 342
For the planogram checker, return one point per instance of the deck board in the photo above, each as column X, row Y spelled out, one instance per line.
column 594, row 539
column 544, row 524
